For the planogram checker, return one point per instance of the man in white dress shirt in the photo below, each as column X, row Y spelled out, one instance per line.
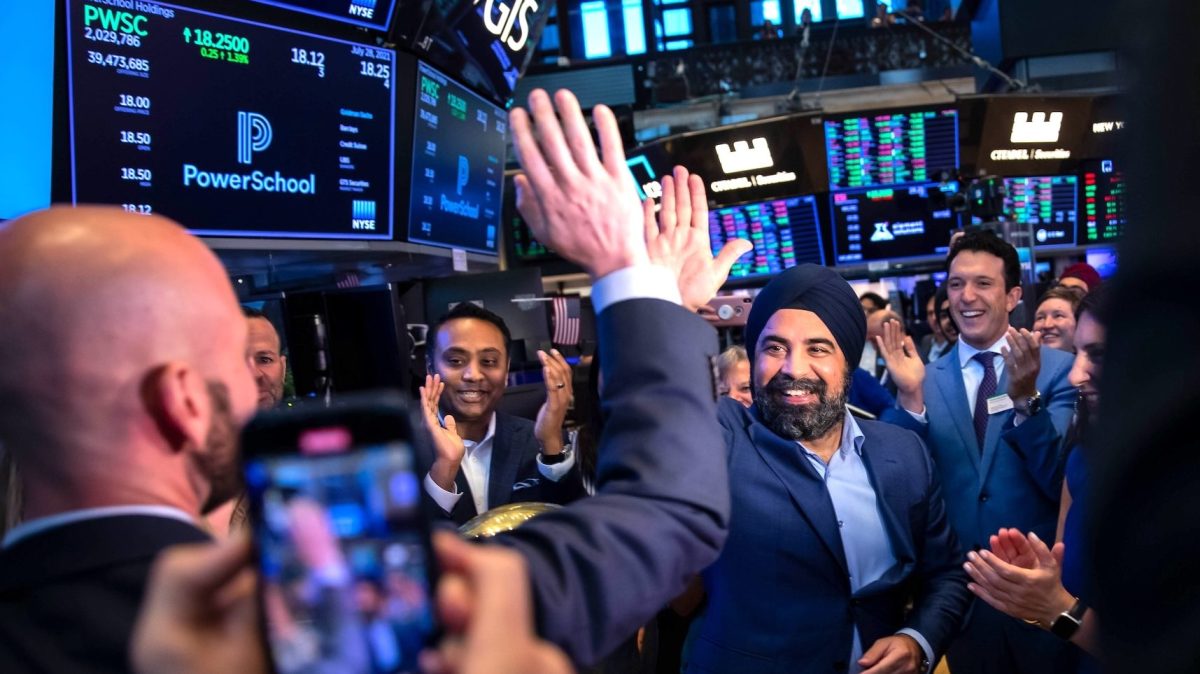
column 486, row 458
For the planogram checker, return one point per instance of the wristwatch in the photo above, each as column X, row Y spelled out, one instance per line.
column 551, row 459
column 1032, row 405
column 1068, row 622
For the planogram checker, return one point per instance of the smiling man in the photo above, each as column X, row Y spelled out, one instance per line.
column 994, row 411
column 490, row 457
column 837, row 523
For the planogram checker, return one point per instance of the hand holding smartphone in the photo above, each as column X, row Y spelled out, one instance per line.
column 341, row 536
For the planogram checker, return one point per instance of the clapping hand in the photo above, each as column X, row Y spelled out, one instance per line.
column 548, row 428
column 447, row 445
column 1022, row 362
column 584, row 208
column 678, row 238
column 1034, row 592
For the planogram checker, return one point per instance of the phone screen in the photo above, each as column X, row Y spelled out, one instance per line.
column 344, row 555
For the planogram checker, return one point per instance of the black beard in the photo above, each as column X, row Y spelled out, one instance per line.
column 800, row 423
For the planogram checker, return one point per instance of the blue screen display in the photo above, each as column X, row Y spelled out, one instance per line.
column 458, row 165
column 230, row 127
column 27, row 29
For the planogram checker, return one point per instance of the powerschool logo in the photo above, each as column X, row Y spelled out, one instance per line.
column 254, row 135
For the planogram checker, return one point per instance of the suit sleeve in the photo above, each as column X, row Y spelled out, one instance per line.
column 942, row 597
column 602, row 567
column 1039, row 439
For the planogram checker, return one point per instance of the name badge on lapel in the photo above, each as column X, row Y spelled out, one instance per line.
column 1000, row 403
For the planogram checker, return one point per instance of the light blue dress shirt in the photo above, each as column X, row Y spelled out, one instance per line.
column 865, row 542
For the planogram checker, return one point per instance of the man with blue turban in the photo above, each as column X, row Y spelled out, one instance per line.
column 840, row 557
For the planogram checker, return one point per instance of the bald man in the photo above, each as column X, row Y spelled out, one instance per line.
column 124, row 432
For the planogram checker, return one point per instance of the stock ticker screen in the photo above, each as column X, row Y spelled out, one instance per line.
column 231, row 127
column 1047, row 203
column 365, row 13
column 785, row 232
column 892, row 223
column 1103, row 203
column 458, row 165
column 891, row 148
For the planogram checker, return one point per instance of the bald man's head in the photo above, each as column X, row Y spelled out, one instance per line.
column 124, row 349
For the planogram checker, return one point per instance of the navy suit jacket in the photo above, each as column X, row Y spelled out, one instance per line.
column 69, row 596
column 1016, row 481
column 779, row 597
column 513, row 476
column 603, row 566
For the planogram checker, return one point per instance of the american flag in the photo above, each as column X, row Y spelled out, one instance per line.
column 566, row 321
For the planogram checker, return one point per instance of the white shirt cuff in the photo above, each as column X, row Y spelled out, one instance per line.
column 631, row 283
column 445, row 500
column 919, row 417
column 557, row 471
column 908, row 631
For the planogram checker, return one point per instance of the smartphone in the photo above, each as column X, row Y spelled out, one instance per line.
column 341, row 535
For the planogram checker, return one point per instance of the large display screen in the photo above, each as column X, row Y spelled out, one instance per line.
column 891, row 148
column 1047, row 203
column 892, row 223
column 458, row 165
column 1033, row 135
column 27, row 115
column 230, row 127
column 785, row 232
column 365, row 13
column 755, row 161
column 1103, row 203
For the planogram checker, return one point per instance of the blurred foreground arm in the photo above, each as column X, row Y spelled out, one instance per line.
column 200, row 615
column 600, row 568
column 483, row 604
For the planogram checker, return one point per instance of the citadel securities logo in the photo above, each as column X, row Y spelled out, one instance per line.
column 253, row 135
column 745, row 156
column 1039, row 129
column 500, row 20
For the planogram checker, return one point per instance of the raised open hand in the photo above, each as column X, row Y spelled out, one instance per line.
column 677, row 237
column 584, row 208
column 904, row 365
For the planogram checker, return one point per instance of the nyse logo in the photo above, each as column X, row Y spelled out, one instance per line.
column 253, row 135
column 745, row 156
column 363, row 8
column 362, row 214
column 500, row 20
column 1039, row 129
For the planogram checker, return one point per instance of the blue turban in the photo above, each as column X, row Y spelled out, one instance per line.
column 817, row 289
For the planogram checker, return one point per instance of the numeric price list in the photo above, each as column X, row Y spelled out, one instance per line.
column 1047, row 203
column 785, row 232
column 891, row 148
column 232, row 128
column 1103, row 204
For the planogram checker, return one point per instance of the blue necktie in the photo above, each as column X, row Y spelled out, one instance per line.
column 987, row 389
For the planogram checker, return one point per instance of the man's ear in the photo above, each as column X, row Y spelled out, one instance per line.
column 1014, row 297
column 176, row 398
